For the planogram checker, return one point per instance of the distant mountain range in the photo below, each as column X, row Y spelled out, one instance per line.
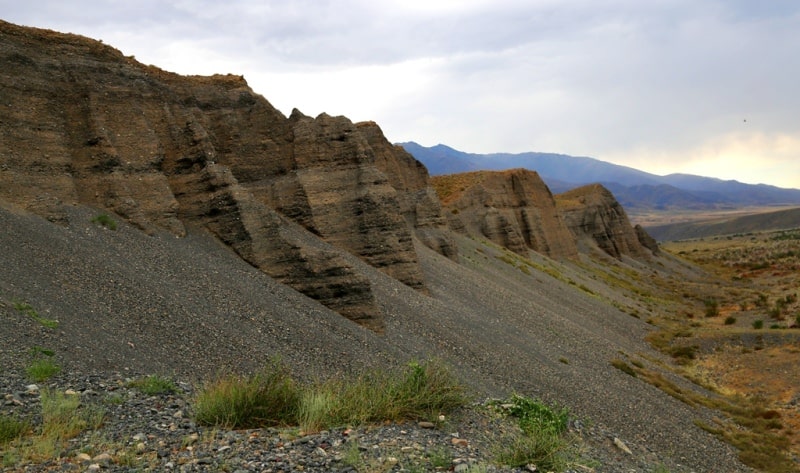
column 634, row 189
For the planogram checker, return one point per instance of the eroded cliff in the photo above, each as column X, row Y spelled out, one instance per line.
column 82, row 123
column 513, row 209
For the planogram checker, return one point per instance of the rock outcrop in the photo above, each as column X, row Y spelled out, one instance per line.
column 592, row 213
column 82, row 123
column 513, row 209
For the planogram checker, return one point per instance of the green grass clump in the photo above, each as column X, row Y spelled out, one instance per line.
column 421, row 391
column 153, row 385
column 536, row 417
column 267, row 398
column 63, row 417
column 541, row 441
column 42, row 369
column 11, row 428
column 105, row 221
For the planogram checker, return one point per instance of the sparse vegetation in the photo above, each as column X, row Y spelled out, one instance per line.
column 154, row 384
column 11, row 428
column 63, row 417
column 42, row 369
column 541, row 441
column 105, row 220
column 28, row 310
column 421, row 391
column 623, row 366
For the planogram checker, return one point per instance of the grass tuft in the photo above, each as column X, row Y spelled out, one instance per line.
column 541, row 440
column 105, row 221
column 11, row 428
column 268, row 398
column 421, row 391
column 42, row 369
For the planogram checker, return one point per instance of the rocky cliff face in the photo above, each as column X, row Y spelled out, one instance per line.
column 514, row 209
column 592, row 212
column 81, row 123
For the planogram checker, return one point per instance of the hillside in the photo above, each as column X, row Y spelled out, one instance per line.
column 183, row 226
column 763, row 221
column 636, row 190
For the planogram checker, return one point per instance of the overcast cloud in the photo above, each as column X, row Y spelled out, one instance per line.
column 706, row 87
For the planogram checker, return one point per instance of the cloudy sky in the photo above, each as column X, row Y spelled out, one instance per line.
column 709, row 87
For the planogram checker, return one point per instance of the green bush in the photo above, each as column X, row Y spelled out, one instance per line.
column 730, row 320
column 758, row 324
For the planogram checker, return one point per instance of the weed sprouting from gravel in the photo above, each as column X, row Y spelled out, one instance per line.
column 11, row 428
column 153, row 385
column 421, row 391
column 42, row 369
column 28, row 310
column 105, row 221
column 541, row 439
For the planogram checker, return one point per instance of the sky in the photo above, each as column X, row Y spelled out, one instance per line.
column 707, row 87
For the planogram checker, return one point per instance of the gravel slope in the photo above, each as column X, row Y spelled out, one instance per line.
column 189, row 308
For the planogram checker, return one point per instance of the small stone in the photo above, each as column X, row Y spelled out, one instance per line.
column 32, row 388
column 461, row 467
column 140, row 437
column 621, row 445
column 102, row 459
column 459, row 442
column 83, row 458
column 178, row 414
column 426, row 425
column 392, row 461
column 224, row 448
column 406, row 449
column 93, row 467
column 71, row 392
column 321, row 452
column 441, row 417
column 141, row 447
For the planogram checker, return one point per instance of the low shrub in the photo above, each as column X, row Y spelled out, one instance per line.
column 730, row 320
column 758, row 324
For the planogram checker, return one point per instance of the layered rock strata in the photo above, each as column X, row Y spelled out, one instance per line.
column 81, row 123
column 513, row 209
column 593, row 213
